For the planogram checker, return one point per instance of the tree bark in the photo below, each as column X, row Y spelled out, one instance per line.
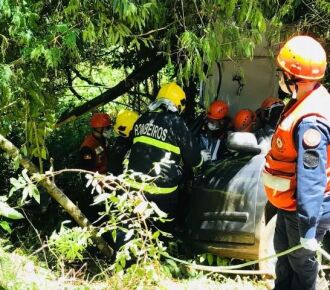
column 142, row 73
column 58, row 195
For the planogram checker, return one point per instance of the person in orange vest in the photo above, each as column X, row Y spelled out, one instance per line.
column 297, row 171
column 245, row 121
column 94, row 149
column 94, row 156
column 213, row 135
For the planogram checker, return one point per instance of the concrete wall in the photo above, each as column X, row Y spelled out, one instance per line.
column 258, row 82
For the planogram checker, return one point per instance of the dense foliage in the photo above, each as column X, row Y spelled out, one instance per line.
column 56, row 55
column 46, row 46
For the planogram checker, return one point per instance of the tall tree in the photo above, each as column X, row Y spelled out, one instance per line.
column 42, row 44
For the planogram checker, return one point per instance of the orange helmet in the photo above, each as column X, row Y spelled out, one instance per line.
column 303, row 57
column 271, row 102
column 100, row 120
column 244, row 120
column 218, row 110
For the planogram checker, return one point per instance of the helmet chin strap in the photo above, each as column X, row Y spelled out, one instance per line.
column 290, row 81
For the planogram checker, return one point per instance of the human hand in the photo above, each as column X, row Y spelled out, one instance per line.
column 206, row 155
column 164, row 166
column 309, row 244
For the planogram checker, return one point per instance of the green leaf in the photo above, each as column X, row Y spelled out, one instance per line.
column 70, row 39
column 25, row 175
column 171, row 263
column 89, row 33
column 114, row 235
column 5, row 226
column 72, row 7
column 25, row 193
column 62, row 27
column 37, row 52
column 15, row 183
column 8, row 212
column 36, row 96
column 34, row 192
column 24, row 150
column 43, row 153
column 53, row 57
column 155, row 235
column 210, row 258
column 5, row 73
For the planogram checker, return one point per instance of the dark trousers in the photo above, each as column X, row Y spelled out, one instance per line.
column 168, row 203
column 297, row 270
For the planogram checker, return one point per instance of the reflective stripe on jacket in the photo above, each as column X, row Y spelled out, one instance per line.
column 100, row 156
column 279, row 176
column 160, row 135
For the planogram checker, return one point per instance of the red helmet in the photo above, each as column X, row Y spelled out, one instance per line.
column 271, row 102
column 218, row 110
column 100, row 120
column 244, row 120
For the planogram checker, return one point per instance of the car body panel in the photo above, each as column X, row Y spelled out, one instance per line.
column 227, row 204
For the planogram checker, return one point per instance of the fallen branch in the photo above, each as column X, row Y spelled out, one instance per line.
column 57, row 194
column 142, row 73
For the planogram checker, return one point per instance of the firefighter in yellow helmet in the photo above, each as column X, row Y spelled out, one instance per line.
column 297, row 171
column 161, row 144
column 123, row 126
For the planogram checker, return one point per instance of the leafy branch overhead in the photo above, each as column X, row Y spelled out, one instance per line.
column 39, row 40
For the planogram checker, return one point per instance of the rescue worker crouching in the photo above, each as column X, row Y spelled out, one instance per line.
column 94, row 150
column 245, row 121
column 94, row 156
column 214, row 134
column 270, row 112
column 297, row 171
column 161, row 143
column 123, row 126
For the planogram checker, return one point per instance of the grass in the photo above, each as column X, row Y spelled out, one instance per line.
column 19, row 272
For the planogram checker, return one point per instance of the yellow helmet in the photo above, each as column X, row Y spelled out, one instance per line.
column 125, row 121
column 175, row 94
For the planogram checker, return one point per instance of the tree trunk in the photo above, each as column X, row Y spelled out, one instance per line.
column 57, row 194
column 142, row 73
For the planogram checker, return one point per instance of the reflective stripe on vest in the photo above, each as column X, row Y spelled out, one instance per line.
column 150, row 188
column 100, row 163
column 277, row 183
column 281, row 160
column 157, row 143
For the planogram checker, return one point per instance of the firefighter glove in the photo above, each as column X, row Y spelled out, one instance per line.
column 206, row 155
column 164, row 166
column 309, row 244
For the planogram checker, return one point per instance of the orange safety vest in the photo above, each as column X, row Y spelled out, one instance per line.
column 279, row 175
column 101, row 153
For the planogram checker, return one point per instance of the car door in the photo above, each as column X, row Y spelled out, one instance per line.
column 227, row 200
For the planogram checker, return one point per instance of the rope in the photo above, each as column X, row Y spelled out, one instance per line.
column 324, row 253
column 229, row 269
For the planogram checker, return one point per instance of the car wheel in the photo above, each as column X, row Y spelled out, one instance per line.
column 266, row 249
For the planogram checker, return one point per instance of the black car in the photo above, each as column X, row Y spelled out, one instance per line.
column 229, row 214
